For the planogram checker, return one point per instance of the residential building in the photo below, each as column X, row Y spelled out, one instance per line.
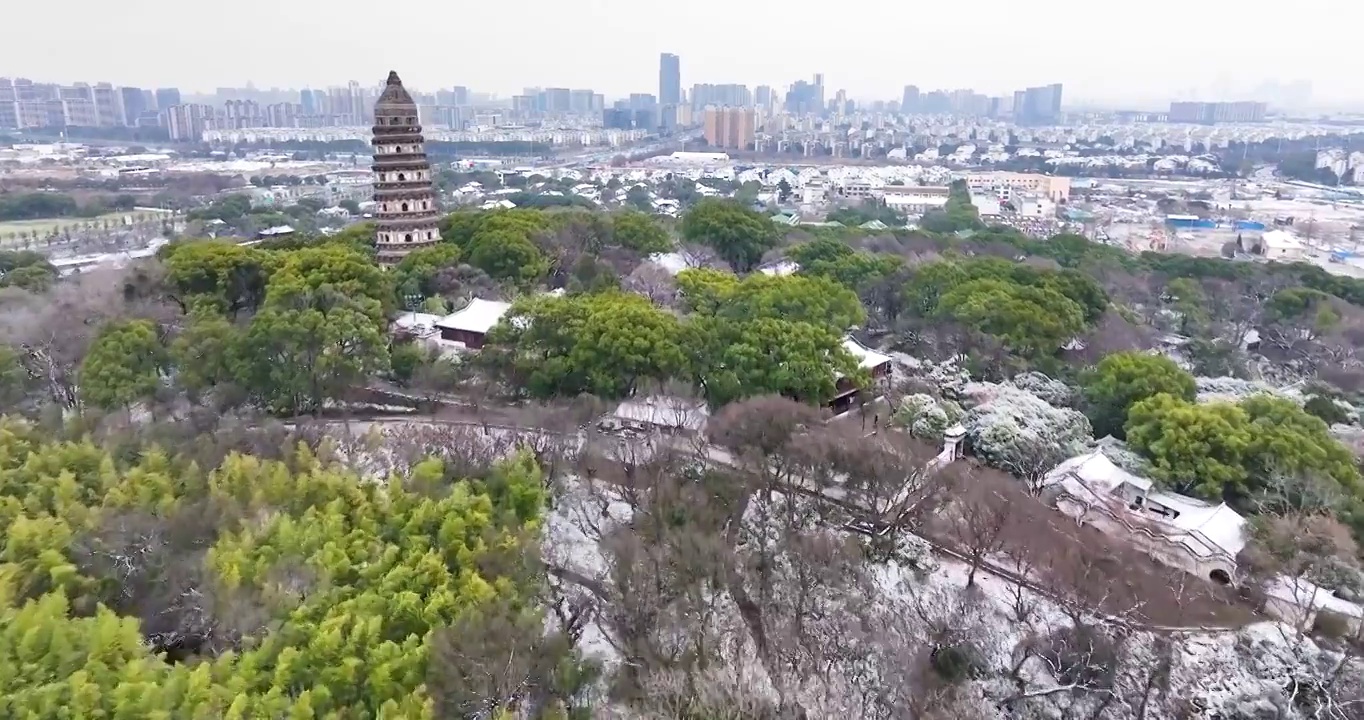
column 404, row 201
column 9, row 104
column 765, row 98
column 109, row 110
column 167, row 97
column 909, row 103
column 730, row 127
column 282, row 115
column 186, row 123
column 1209, row 113
column 704, row 95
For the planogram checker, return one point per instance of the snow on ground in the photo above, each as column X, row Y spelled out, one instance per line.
column 578, row 518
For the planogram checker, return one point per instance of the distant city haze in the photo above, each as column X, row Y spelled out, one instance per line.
column 1107, row 54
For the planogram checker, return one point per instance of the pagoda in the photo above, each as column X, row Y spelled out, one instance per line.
column 405, row 203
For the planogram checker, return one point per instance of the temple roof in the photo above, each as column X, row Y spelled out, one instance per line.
column 394, row 93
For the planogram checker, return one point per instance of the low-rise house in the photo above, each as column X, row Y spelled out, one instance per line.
column 471, row 324
column 1283, row 246
column 1302, row 604
column 875, row 363
column 657, row 413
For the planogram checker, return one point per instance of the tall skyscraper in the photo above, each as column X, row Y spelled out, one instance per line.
column 134, row 106
column 764, row 98
column 405, row 202
column 1041, row 105
column 167, row 97
column 909, row 104
column 669, row 79
column 305, row 99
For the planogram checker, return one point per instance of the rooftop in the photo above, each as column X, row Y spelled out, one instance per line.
column 866, row 357
column 479, row 316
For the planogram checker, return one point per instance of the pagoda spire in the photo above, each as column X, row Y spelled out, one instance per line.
column 405, row 202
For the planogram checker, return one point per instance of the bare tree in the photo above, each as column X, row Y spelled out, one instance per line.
column 979, row 515
column 654, row 282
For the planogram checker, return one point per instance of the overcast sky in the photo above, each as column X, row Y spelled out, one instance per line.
column 1114, row 52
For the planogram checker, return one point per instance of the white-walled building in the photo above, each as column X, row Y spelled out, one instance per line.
column 1183, row 532
column 1282, row 246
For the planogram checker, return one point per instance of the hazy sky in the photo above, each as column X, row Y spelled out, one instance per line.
column 1102, row 50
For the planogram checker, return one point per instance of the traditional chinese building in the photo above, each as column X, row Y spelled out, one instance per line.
column 405, row 201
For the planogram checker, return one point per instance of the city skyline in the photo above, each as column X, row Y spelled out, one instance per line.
column 597, row 46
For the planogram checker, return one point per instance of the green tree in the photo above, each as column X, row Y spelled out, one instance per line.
column 230, row 276
column 797, row 298
column 637, row 231
column 731, row 359
column 202, row 352
column 1031, row 321
column 856, row 270
column 1290, row 441
column 306, row 347
column 739, row 235
column 327, row 270
column 419, row 268
column 33, row 278
column 604, row 344
column 1124, row 379
column 1197, row 449
column 124, row 365
column 506, row 255
column 333, row 588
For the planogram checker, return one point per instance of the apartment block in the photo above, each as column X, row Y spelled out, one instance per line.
column 730, row 127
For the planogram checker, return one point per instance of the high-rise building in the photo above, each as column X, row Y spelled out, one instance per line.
column 909, row 103
column 9, row 104
column 134, row 105
column 282, row 115
column 617, row 119
column 1208, row 113
column 305, row 100
column 669, row 79
column 186, row 122
column 1040, row 105
column 730, row 95
column 556, row 100
column 167, row 97
column 109, row 110
column 405, row 202
column 730, row 127
column 582, row 102
column 764, row 97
